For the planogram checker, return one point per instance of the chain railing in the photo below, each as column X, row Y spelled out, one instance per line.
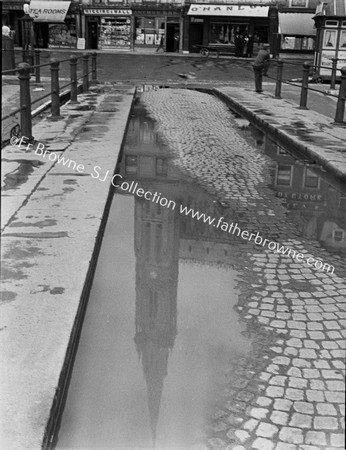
column 24, row 71
column 307, row 70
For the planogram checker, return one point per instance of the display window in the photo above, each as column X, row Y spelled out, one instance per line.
column 343, row 39
column 149, row 30
column 329, row 39
column 62, row 35
column 224, row 32
column 115, row 32
column 298, row 43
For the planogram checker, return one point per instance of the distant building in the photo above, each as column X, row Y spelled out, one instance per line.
column 296, row 31
column 178, row 25
column 330, row 20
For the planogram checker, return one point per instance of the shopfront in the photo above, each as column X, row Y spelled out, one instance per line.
column 159, row 26
column 297, row 32
column 54, row 24
column 12, row 13
column 224, row 25
column 108, row 28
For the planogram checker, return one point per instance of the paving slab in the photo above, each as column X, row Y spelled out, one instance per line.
column 52, row 224
column 313, row 135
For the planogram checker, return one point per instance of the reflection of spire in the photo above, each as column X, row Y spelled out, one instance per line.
column 157, row 256
column 154, row 363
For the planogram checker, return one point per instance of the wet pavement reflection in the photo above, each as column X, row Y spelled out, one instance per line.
column 315, row 201
column 165, row 351
column 160, row 328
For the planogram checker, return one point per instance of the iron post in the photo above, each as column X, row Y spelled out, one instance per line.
column 94, row 67
column 305, row 86
column 37, row 64
column 340, row 106
column 280, row 65
column 85, row 72
column 25, row 101
column 55, row 89
column 333, row 76
column 74, row 84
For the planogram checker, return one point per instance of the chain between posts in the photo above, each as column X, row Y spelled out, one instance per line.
column 24, row 71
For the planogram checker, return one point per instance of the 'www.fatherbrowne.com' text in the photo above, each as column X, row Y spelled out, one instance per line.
column 156, row 197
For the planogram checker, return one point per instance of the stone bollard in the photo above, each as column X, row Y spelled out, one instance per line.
column 25, row 101
column 85, row 72
column 37, row 64
column 305, row 86
column 55, row 89
column 280, row 66
column 333, row 75
column 74, row 83
column 340, row 107
column 94, row 68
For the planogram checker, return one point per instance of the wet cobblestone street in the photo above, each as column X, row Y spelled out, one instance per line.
column 288, row 394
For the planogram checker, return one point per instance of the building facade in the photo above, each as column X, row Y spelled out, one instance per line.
column 330, row 20
column 168, row 25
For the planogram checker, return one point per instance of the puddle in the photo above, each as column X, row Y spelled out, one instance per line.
column 20, row 175
column 161, row 328
column 315, row 201
column 168, row 352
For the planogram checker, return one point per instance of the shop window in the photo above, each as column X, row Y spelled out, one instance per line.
column 329, row 39
column 343, row 39
column 131, row 164
column 115, row 32
column 161, row 167
column 298, row 43
column 63, row 35
column 332, row 23
column 311, row 180
column 342, row 203
column 149, row 30
column 298, row 3
column 223, row 32
column 338, row 235
column 284, row 175
column 282, row 151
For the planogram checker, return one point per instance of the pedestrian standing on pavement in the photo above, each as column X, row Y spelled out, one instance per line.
column 161, row 45
column 261, row 66
column 249, row 47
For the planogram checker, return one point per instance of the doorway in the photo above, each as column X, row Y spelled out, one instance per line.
column 92, row 34
column 196, row 36
column 172, row 37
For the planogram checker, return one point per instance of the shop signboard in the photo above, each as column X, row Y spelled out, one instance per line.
column 228, row 10
column 49, row 12
column 107, row 12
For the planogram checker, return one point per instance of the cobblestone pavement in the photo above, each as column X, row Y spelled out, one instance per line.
column 288, row 393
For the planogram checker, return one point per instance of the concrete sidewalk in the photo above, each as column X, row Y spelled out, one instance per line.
column 54, row 214
column 312, row 135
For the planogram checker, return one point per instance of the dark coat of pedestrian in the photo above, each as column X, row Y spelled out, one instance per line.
column 261, row 66
column 249, row 46
column 239, row 45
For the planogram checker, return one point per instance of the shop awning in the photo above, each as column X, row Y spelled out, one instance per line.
column 228, row 10
column 296, row 24
column 48, row 11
